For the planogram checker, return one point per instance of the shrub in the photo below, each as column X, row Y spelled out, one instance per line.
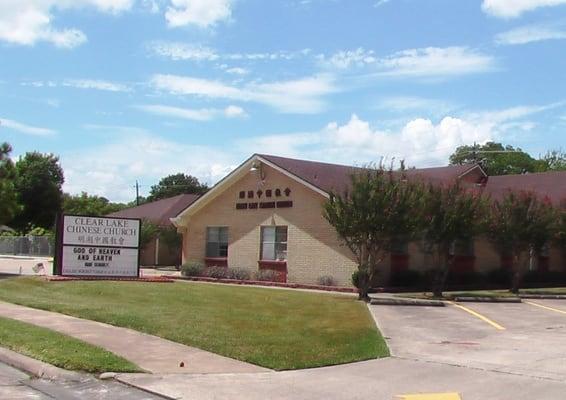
column 240, row 274
column 406, row 278
column 192, row 269
column 466, row 278
column 268, row 275
column 499, row 276
column 326, row 280
column 544, row 277
column 217, row 272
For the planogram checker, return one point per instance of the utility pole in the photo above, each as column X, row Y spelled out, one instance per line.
column 137, row 193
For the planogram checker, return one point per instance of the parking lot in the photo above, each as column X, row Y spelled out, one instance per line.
column 526, row 338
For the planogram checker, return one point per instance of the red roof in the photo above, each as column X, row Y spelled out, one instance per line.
column 335, row 177
column 159, row 211
column 547, row 184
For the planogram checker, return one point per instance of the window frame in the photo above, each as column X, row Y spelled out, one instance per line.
column 279, row 246
column 220, row 244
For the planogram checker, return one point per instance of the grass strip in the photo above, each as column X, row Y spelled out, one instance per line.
column 58, row 349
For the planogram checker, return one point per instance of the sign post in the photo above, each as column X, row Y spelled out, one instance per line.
column 97, row 246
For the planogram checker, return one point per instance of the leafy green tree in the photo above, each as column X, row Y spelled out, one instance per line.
column 560, row 231
column 85, row 204
column 520, row 225
column 452, row 214
column 38, row 183
column 148, row 232
column 496, row 158
column 380, row 208
column 9, row 206
column 173, row 185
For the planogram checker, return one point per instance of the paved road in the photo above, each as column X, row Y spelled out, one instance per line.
column 15, row 385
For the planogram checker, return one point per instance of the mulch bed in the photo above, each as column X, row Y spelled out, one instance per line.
column 156, row 279
column 340, row 289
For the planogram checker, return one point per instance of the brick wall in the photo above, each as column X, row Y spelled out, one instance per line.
column 313, row 248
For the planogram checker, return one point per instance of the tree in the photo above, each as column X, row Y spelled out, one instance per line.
column 554, row 160
column 173, row 185
column 452, row 214
column 9, row 206
column 380, row 208
column 84, row 204
column 520, row 225
column 496, row 158
column 38, row 183
column 560, row 231
column 148, row 232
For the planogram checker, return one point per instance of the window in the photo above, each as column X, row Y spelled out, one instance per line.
column 274, row 243
column 463, row 248
column 217, row 241
column 400, row 246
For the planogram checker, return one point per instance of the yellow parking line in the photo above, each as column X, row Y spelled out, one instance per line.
column 478, row 315
column 545, row 307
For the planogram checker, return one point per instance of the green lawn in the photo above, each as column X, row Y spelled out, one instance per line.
column 60, row 350
column 278, row 329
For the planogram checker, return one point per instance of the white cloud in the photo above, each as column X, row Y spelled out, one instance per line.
column 183, row 51
column 203, row 114
column 236, row 71
column 202, row 13
column 435, row 62
column 347, row 58
column 294, row 96
column 515, row 8
column 420, row 141
column 529, row 34
column 110, row 170
column 26, row 22
column 235, row 112
column 197, row 52
column 23, row 128
column 96, row 85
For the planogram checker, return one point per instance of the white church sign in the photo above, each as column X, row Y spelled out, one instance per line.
column 97, row 246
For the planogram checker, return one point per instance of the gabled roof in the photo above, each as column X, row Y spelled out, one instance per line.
column 335, row 177
column 546, row 184
column 322, row 178
column 159, row 212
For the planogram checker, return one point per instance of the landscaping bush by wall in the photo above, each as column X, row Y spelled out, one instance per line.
column 326, row 280
column 192, row 269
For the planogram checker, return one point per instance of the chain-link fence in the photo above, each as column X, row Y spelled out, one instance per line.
column 27, row 245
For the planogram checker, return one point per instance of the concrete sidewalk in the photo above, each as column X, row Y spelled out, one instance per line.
column 151, row 353
column 384, row 379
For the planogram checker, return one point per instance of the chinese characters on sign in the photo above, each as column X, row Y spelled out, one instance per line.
column 246, row 201
column 97, row 246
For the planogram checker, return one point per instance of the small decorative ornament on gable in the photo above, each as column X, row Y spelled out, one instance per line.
column 242, row 204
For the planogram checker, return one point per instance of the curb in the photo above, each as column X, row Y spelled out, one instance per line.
column 38, row 368
column 543, row 296
column 118, row 378
column 487, row 299
column 390, row 301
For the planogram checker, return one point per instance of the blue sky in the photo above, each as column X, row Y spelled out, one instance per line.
column 138, row 89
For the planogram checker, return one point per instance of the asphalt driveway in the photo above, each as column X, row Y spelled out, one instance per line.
column 521, row 338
